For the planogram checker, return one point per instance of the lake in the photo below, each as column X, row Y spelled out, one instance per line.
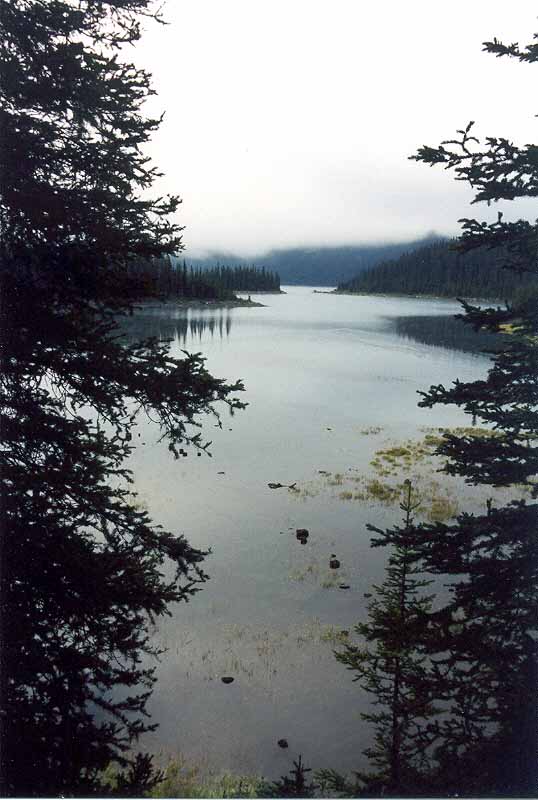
column 330, row 381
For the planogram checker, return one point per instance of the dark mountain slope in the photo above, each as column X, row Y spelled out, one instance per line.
column 437, row 269
column 314, row 266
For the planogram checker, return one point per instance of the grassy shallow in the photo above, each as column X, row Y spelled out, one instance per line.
column 440, row 496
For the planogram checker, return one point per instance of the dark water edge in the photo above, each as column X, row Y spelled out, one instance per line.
column 447, row 332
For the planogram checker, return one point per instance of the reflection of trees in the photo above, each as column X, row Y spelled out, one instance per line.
column 445, row 331
column 183, row 328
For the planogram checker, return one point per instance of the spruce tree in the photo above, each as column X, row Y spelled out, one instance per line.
column 84, row 571
column 487, row 651
column 392, row 665
column 478, row 652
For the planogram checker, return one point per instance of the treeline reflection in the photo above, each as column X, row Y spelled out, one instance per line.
column 445, row 331
column 184, row 328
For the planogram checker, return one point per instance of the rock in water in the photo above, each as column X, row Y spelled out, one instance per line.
column 227, row 679
column 283, row 743
column 334, row 563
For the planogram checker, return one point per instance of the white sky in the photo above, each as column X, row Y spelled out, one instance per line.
column 289, row 122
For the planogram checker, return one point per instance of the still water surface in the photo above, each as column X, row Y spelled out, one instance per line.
column 329, row 380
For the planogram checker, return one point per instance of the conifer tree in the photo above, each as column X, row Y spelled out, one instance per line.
column 83, row 570
column 488, row 646
column 479, row 649
column 391, row 664
column 296, row 786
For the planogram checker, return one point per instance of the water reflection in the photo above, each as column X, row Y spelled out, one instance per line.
column 445, row 331
column 329, row 383
column 191, row 325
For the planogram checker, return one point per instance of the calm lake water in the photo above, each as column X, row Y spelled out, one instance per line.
column 329, row 380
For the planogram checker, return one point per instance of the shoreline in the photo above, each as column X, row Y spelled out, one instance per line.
column 194, row 302
column 448, row 298
column 255, row 291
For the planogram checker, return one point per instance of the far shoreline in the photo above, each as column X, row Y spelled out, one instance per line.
column 196, row 302
column 448, row 298
column 260, row 291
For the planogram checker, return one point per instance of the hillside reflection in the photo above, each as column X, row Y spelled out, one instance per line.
column 445, row 331
column 186, row 327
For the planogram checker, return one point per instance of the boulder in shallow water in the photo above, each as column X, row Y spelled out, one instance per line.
column 227, row 679
column 283, row 743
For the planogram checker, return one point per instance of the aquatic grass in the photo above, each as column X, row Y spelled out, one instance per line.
column 317, row 571
column 336, row 479
column 183, row 778
column 442, row 509
column 410, row 459
column 331, row 581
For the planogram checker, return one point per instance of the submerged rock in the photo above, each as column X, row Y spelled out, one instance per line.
column 283, row 743
column 227, row 679
column 302, row 535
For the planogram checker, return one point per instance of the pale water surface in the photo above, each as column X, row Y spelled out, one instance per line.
column 329, row 380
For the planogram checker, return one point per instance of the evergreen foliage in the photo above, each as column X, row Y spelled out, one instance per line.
column 392, row 665
column 167, row 278
column 243, row 278
column 296, row 786
column 480, row 646
column 321, row 265
column 484, row 651
column 491, row 654
column 440, row 269
column 84, row 571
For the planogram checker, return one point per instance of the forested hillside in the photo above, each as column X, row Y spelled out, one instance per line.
column 167, row 277
column 437, row 269
column 316, row 266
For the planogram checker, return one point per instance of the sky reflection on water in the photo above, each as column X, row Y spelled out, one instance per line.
column 329, row 381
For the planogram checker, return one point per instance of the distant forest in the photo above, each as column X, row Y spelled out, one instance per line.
column 170, row 278
column 318, row 266
column 437, row 269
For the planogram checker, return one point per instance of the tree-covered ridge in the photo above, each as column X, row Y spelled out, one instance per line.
column 322, row 265
column 243, row 278
column 439, row 269
column 168, row 278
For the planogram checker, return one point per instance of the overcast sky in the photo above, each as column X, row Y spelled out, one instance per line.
column 290, row 122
